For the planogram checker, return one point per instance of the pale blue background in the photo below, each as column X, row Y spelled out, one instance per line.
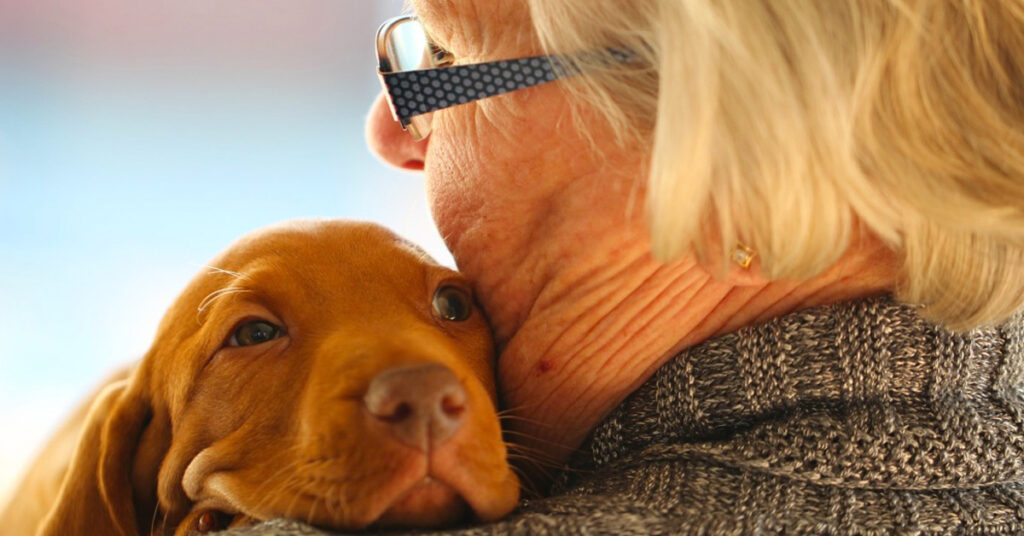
column 138, row 139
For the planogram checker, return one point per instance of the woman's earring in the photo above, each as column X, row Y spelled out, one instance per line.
column 743, row 256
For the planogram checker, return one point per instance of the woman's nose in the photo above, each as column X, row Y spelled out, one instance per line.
column 388, row 141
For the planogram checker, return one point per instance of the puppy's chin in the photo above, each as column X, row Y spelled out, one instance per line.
column 428, row 504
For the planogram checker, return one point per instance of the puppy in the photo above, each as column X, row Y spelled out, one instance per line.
column 326, row 371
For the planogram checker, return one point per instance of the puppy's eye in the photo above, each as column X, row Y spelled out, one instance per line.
column 452, row 303
column 254, row 332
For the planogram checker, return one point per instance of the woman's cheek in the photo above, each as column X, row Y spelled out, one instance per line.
column 453, row 185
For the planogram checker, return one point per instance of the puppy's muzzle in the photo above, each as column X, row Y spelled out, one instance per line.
column 422, row 406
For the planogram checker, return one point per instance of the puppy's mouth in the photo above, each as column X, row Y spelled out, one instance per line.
column 428, row 503
column 416, row 489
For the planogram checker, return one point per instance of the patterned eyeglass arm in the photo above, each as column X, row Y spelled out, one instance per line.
column 426, row 90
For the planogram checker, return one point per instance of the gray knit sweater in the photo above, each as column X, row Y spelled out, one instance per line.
column 856, row 418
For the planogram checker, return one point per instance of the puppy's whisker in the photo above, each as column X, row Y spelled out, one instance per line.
column 538, row 456
column 281, row 491
column 521, row 407
column 513, row 409
column 536, row 460
column 152, row 519
column 265, row 499
column 163, row 525
column 214, row 296
column 284, row 467
column 535, row 456
column 523, row 442
column 542, row 473
column 527, row 483
column 527, row 420
column 333, row 505
column 523, row 457
column 290, row 483
column 540, row 461
column 540, row 465
column 288, row 467
column 332, row 509
column 216, row 270
column 523, row 437
column 342, row 504
column 260, row 491
column 312, row 511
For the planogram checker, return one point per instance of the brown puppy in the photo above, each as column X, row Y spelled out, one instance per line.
column 322, row 370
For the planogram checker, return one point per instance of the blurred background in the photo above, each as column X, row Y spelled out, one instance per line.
column 137, row 140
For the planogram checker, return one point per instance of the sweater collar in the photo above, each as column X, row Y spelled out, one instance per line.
column 858, row 394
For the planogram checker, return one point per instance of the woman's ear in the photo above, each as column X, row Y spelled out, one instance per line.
column 97, row 496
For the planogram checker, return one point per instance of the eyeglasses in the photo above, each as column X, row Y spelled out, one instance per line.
column 419, row 78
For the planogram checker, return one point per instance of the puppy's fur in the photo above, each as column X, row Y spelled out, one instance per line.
column 281, row 428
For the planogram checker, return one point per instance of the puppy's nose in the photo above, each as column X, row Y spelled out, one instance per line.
column 422, row 405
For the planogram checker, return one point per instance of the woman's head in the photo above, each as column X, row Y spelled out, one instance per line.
column 512, row 182
column 786, row 126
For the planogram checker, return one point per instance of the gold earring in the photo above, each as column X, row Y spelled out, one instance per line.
column 743, row 256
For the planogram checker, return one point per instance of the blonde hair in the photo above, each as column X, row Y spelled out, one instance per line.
column 785, row 123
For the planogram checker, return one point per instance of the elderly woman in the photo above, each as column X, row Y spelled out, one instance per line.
column 751, row 266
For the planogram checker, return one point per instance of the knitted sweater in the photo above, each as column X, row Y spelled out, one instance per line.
column 854, row 418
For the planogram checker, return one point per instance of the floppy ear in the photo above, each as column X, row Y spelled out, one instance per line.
column 97, row 496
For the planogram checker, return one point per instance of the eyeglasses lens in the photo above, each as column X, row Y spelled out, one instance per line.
column 409, row 50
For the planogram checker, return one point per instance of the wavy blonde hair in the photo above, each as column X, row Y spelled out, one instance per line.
column 786, row 123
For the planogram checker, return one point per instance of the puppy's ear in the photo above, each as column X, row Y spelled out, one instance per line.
column 98, row 496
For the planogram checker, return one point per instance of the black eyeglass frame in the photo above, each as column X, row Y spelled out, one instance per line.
column 416, row 92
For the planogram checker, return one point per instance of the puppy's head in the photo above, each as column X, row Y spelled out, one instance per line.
column 326, row 371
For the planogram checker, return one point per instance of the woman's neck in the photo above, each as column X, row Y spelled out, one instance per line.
column 601, row 325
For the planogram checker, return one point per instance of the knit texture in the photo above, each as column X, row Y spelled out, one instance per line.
column 854, row 418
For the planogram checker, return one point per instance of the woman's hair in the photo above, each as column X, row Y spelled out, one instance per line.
column 787, row 123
